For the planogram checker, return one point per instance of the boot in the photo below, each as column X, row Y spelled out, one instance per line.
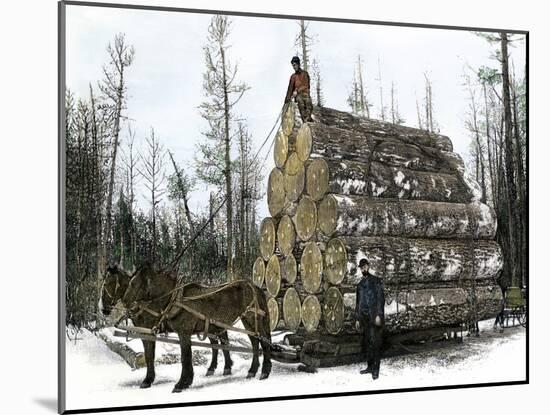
column 367, row 370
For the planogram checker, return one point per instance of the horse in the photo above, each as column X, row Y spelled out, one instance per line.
column 115, row 283
column 224, row 304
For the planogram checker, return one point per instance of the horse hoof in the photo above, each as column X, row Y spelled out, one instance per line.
column 145, row 385
column 210, row 372
column 250, row 375
column 264, row 376
column 176, row 390
column 227, row 372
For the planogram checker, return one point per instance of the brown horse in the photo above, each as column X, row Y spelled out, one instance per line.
column 115, row 284
column 226, row 304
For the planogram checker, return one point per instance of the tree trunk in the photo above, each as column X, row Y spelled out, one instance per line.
column 227, row 172
column 509, row 161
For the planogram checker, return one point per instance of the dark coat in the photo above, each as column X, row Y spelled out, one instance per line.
column 370, row 300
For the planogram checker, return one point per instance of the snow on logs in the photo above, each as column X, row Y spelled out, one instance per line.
column 343, row 215
column 345, row 188
column 409, row 261
column 380, row 180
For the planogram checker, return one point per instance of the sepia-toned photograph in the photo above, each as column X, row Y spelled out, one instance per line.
column 269, row 206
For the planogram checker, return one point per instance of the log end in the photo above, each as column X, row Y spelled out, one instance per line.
column 275, row 192
column 258, row 272
column 290, row 269
column 273, row 276
column 267, row 238
column 317, row 178
column 292, row 309
column 306, row 218
column 333, row 310
column 304, row 142
column 273, row 309
column 286, row 235
column 311, row 313
column 311, row 267
column 336, row 259
column 327, row 215
column 280, row 151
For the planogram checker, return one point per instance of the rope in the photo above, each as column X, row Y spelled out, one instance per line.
column 175, row 261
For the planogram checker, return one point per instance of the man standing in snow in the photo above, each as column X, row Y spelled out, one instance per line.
column 369, row 315
column 298, row 87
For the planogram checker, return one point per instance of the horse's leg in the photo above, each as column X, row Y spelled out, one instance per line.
column 255, row 348
column 186, row 378
column 149, row 348
column 214, row 362
column 228, row 363
column 266, row 348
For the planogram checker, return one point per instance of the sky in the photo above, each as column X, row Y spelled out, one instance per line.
column 165, row 79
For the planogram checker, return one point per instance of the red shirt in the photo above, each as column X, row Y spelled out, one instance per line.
column 299, row 81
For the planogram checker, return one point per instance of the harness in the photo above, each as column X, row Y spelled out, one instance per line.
column 176, row 305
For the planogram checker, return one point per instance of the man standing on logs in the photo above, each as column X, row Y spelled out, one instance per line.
column 298, row 87
column 369, row 315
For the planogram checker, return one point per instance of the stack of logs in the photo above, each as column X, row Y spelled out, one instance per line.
column 345, row 188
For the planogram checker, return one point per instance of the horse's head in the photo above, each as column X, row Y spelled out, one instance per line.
column 148, row 285
column 115, row 284
column 140, row 286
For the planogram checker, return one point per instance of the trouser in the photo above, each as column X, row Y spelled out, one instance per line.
column 372, row 345
column 305, row 106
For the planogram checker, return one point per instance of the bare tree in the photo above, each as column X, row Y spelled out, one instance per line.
column 303, row 42
column 318, row 90
column 152, row 171
column 395, row 114
column 223, row 93
column 381, row 89
column 130, row 160
column 114, row 94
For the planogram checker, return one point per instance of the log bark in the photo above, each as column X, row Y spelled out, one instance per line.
column 396, row 153
column 315, row 140
column 408, row 310
column 135, row 359
column 379, row 180
column 394, row 182
column 341, row 215
column 408, row 261
column 381, row 129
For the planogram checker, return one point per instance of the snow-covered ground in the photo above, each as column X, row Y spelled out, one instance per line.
column 97, row 377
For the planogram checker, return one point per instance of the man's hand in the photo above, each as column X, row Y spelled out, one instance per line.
column 357, row 325
column 378, row 321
